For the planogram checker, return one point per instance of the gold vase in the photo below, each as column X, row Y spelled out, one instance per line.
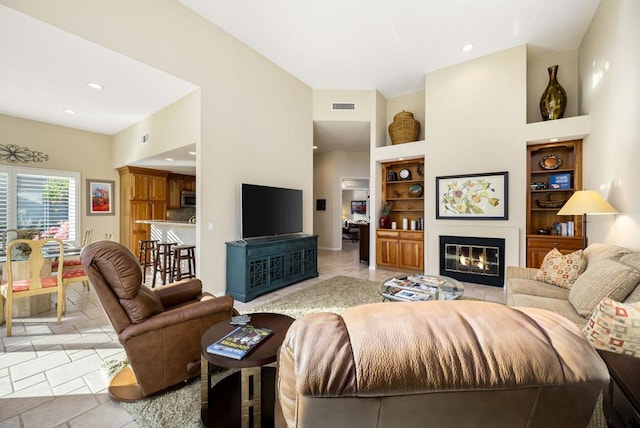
column 553, row 101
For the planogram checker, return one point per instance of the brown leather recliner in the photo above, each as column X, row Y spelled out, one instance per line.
column 160, row 329
column 437, row 364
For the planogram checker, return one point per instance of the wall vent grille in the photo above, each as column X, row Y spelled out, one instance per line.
column 343, row 106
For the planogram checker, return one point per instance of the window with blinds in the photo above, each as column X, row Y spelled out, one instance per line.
column 45, row 200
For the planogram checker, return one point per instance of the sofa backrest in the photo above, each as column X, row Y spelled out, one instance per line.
column 449, row 363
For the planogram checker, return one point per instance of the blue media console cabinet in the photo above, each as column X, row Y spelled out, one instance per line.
column 259, row 266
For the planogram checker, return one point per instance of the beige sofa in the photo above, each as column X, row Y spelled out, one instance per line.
column 437, row 364
column 611, row 271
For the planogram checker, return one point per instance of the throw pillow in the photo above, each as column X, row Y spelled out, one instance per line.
column 561, row 270
column 603, row 278
column 615, row 327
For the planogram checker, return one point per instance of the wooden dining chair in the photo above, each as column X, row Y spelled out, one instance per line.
column 37, row 283
column 73, row 264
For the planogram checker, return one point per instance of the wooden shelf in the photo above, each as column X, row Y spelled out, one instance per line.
column 539, row 218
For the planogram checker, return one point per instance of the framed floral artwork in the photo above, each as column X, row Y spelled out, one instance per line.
column 473, row 196
column 100, row 197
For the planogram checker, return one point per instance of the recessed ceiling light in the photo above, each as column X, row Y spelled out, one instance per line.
column 69, row 111
column 95, row 85
column 467, row 47
column 315, row 147
column 553, row 140
column 192, row 153
column 169, row 159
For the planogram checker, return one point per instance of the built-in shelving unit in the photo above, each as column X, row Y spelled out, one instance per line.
column 541, row 234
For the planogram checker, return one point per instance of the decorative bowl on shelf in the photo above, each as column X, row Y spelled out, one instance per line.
column 415, row 190
column 550, row 162
column 551, row 203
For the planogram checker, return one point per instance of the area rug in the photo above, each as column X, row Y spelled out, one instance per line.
column 331, row 295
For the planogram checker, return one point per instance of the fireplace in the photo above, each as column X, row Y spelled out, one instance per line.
column 476, row 260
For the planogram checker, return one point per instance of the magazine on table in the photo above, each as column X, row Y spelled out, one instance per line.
column 426, row 279
column 239, row 342
column 404, row 294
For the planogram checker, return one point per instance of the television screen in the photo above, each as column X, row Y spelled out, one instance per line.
column 268, row 211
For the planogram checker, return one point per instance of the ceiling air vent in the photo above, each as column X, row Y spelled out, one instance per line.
column 343, row 106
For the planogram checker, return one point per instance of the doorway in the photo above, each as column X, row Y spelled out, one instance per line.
column 355, row 209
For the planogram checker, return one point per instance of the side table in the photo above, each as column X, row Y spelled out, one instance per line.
column 246, row 398
column 622, row 399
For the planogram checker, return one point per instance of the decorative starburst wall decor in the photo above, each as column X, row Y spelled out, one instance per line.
column 13, row 153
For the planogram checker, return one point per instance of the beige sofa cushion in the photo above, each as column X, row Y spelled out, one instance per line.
column 599, row 251
column 537, row 288
column 603, row 278
column 559, row 306
column 561, row 269
column 615, row 327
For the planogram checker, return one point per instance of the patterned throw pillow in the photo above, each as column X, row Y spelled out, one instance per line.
column 561, row 270
column 615, row 327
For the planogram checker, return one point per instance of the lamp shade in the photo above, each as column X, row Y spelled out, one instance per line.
column 586, row 202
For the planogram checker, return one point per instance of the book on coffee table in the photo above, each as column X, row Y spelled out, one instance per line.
column 239, row 342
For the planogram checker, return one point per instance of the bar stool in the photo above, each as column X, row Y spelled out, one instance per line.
column 163, row 262
column 184, row 253
column 145, row 255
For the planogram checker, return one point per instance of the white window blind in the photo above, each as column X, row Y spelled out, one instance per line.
column 4, row 199
column 45, row 200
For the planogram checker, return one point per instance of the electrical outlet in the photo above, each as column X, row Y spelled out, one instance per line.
column 145, row 138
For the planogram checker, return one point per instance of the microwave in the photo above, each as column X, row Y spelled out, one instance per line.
column 187, row 199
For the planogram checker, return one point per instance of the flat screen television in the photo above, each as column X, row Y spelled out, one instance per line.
column 270, row 211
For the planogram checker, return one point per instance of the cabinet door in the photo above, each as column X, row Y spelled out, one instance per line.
column 139, row 211
column 139, row 187
column 387, row 252
column 157, row 188
column 174, row 186
column 189, row 184
column 411, row 255
column 538, row 247
column 158, row 210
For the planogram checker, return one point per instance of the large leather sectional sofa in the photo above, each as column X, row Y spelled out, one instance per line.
column 437, row 363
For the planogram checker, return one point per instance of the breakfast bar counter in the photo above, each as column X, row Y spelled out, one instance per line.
column 182, row 232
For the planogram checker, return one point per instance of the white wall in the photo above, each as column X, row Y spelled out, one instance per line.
column 354, row 195
column 475, row 117
column 71, row 150
column 328, row 171
column 256, row 121
column 609, row 64
column 175, row 126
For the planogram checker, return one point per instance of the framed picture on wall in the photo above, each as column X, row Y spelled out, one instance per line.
column 100, row 197
column 358, row 207
column 473, row 196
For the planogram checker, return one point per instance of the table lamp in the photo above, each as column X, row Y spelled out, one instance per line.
column 584, row 202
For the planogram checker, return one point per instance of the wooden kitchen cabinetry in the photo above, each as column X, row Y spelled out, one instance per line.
column 176, row 183
column 403, row 189
column 143, row 196
column 546, row 162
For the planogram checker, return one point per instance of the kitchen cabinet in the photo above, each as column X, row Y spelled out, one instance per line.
column 143, row 194
column 547, row 163
column 176, row 183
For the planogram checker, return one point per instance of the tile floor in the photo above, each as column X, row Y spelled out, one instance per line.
column 48, row 372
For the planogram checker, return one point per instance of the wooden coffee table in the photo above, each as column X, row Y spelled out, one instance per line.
column 245, row 398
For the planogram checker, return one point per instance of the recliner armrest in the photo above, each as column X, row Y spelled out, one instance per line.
column 176, row 293
column 200, row 309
